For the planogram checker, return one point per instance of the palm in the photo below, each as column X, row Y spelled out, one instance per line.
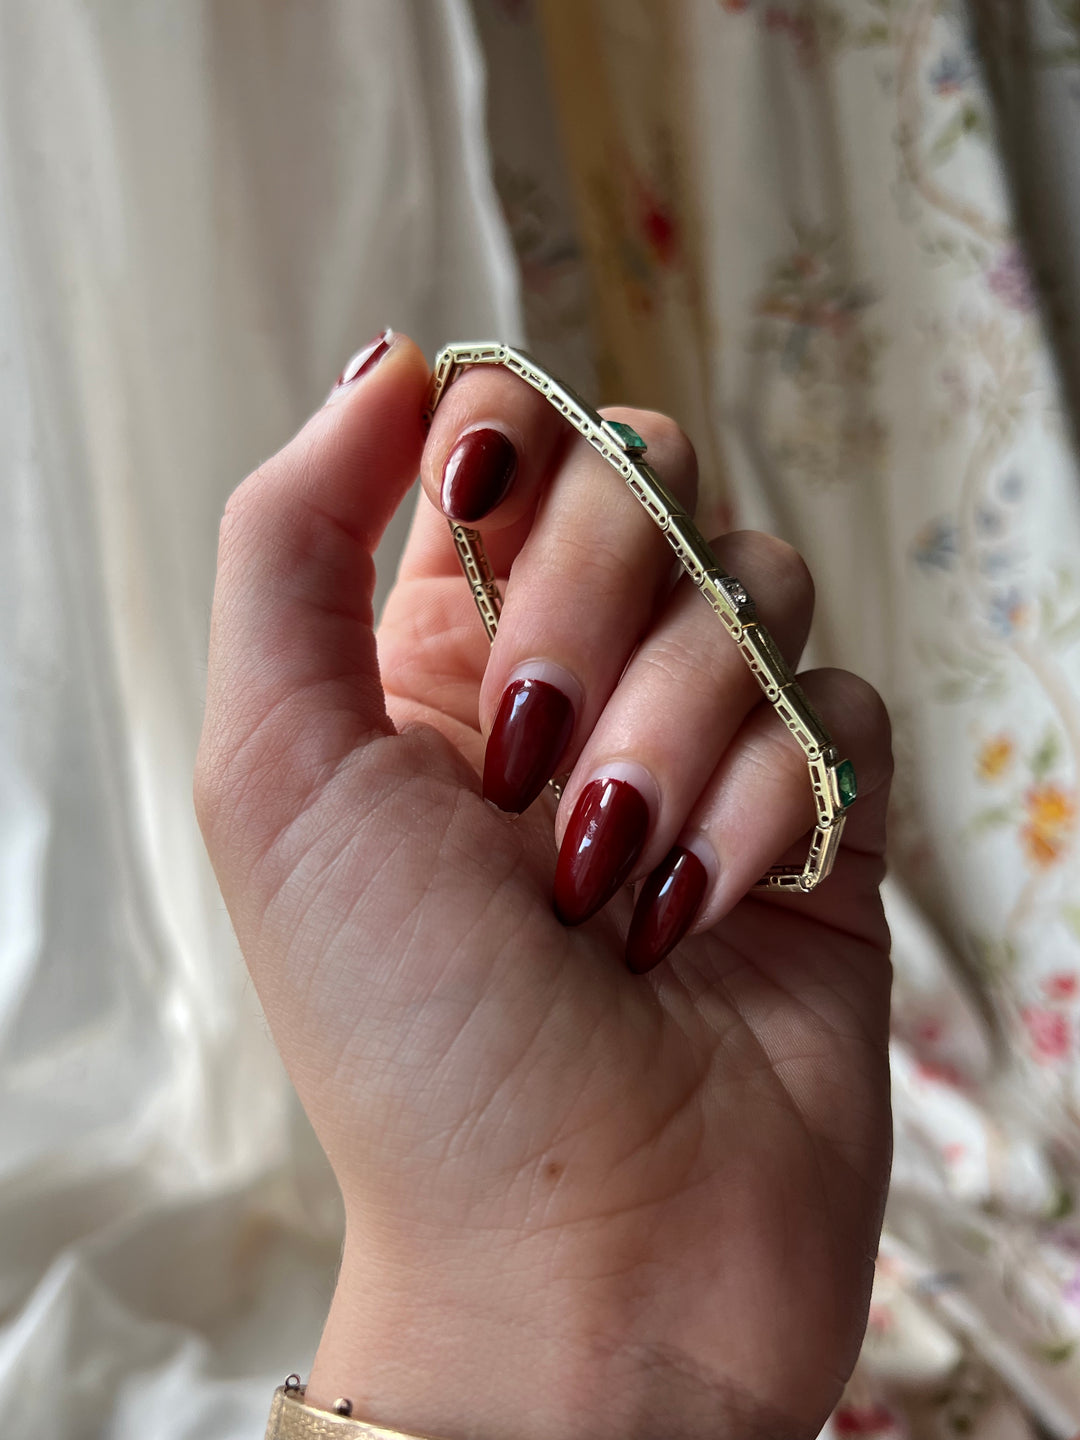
column 645, row 1125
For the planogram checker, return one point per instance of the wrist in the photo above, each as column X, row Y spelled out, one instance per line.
column 439, row 1350
column 436, row 1350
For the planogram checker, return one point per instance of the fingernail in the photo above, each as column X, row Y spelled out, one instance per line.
column 364, row 360
column 532, row 728
column 477, row 474
column 602, row 841
column 666, row 906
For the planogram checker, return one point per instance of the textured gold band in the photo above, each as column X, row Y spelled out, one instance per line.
column 832, row 780
column 292, row 1419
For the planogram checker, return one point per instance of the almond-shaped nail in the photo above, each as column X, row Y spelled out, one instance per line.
column 667, row 905
column 478, row 472
column 365, row 359
column 603, row 840
column 532, row 728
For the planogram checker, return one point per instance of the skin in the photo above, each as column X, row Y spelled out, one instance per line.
column 578, row 1202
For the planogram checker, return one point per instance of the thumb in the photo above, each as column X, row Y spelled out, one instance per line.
column 293, row 681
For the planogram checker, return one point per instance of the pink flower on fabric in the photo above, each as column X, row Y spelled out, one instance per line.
column 940, row 1072
column 1010, row 280
column 799, row 28
column 1062, row 986
column 658, row 226
column 865, row 1420
column 1048, row 1031
column 880, row 1319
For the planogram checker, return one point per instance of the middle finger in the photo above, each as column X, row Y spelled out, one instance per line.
column 583, row 590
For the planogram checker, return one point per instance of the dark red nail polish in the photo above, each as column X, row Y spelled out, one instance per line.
column 477, row 474
column 531, row 730
column 365, row 359
column 605, row 836
column 666, row 906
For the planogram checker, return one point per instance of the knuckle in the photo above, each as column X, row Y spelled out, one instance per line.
column 863, row 704
column 860, row 713
column 768, row 560
column 680, row 665
column 670, row 450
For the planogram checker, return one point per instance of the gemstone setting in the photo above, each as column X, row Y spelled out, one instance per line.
column 631, row 441
column 847, row 786
column 735, row 591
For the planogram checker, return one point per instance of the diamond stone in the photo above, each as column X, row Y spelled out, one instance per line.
column 846, row 784
column 631, row 440
column 734, row 590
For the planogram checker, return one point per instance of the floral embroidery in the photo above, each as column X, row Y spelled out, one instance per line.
column 878, row 373
column 657, row 224
column 1010, row 280
column 951, row 72
column 798, row 27
column 875, row 1420
column 1048, row 1031
column 811, row 321
column 1051, row 820
column 1063, row 986
column 995, row 757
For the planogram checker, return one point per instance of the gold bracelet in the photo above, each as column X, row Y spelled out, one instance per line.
column 291, row 1418
column 832, row 780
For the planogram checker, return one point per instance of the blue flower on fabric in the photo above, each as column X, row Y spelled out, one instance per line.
column 997, row 562
column 951, row 72
column 935, row 545
column 1007, row 611
column 1012, row 486
column 989, row 520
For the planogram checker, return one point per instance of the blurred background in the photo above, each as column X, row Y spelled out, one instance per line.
column 839, row 240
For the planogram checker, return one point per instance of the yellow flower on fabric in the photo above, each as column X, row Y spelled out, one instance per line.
column 1051, row 820
column 995, row 756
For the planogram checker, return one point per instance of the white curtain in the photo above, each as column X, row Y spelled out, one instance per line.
column 204, row 209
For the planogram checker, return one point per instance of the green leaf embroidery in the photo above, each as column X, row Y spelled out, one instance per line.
column 1046, row 756
column 992, row 818
column 1056, row 1354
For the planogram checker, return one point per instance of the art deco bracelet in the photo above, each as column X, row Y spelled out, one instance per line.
column 832, row 779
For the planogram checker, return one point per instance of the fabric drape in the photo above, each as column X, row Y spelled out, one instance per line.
column 834, row 238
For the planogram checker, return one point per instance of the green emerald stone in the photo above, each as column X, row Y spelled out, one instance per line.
column 628, row 435
column 846, row 784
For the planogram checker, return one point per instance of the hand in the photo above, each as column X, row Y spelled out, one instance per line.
column 579, row 1201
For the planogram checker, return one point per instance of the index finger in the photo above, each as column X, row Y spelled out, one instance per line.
column 492, row 446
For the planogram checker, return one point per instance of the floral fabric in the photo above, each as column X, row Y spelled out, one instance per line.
column 810, row 231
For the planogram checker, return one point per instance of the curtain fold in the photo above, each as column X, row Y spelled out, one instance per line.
column 204, row 210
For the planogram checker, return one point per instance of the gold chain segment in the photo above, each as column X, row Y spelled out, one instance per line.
column 832, row 779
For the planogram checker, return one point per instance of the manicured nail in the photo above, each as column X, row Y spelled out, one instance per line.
column 532, row 728
column 364, row 360
column 666, row 906
column 602, row 841
column 477, row 474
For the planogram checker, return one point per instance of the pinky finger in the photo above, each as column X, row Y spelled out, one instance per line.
column 757, row 811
